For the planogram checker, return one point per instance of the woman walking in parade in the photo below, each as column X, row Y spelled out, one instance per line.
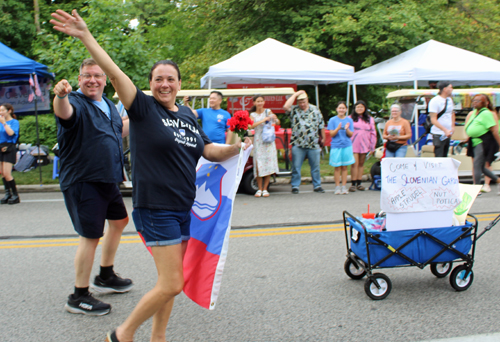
column 363, row 139
column 164, row 173
column 265, row 159
column 9, row 133
column 481, row 126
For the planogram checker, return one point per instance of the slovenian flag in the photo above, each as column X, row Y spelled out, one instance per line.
column 216, row 186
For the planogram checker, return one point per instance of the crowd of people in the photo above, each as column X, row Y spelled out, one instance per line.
column 164, row 168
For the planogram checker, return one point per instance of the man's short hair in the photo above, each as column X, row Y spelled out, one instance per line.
column 87, row 62
column 430, row 82
column 442, row 85
column 218, row 93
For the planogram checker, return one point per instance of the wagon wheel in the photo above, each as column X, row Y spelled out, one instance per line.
column 354, row 271
column 458, row 279
column 378, row 292
column 441, row 269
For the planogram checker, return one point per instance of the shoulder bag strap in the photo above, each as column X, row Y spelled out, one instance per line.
column 444, row 110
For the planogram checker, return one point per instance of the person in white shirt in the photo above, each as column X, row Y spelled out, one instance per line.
column 442, row 118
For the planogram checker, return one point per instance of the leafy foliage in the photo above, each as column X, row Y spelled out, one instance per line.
column 47, row 130
column 17, row 27
column 109, row 22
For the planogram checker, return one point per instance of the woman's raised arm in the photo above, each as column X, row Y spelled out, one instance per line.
column 73, row 25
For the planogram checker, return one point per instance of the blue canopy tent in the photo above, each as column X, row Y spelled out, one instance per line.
column 18, row 76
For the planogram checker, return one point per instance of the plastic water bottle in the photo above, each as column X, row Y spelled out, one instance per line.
column 443, row 137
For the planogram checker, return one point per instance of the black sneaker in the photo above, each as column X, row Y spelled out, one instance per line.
column 319, row 189
column 87, row 305
column 111, row 336
column 115, row 284
column 295, row 191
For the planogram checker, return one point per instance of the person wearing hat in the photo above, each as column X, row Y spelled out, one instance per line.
column 442, row 119
column 307, row 121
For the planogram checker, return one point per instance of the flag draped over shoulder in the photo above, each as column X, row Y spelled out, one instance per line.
column 216, row 186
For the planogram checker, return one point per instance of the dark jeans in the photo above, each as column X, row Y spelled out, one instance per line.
column 441, row 147
column 479, row 165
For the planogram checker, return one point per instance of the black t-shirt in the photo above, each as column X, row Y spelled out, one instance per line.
column 165, row 149
column 90, row 144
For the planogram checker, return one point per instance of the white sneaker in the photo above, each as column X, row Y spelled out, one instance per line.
column 485, row 188
column 344, row 191
column 337, row 190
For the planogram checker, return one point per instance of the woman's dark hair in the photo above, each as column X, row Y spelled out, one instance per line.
column 489, row 105
column 365, row 116
column 164, row 62
column 10, row 108
column 254, row 107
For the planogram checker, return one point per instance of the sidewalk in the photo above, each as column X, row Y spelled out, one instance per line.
column 279, row 180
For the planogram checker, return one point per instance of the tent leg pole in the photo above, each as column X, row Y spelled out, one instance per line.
column 354, row 93
column 38, row 138
column 317, row 95
column 348, row 96
column 415, row 84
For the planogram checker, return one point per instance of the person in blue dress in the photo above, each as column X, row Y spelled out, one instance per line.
column 340, row 128
column 9, row 133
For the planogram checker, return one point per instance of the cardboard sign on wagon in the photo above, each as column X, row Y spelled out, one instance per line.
column 419, row 192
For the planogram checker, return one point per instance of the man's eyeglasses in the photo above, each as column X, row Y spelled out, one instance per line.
column 87, row 77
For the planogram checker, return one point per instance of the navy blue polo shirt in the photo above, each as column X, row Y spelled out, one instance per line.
column 90, row 144
column 165, row 147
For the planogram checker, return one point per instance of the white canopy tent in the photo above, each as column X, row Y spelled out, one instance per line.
column 271, row 61
column 433, row 61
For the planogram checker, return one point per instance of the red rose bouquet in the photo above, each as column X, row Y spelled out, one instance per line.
column 239, row 122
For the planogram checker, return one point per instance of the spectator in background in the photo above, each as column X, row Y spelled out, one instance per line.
column 265, row 159
column 340, row 128
column 481, row 125
column 397, row 131
column 364, row 139
column 487, row 180
column 442, row 119
column 213, row 119
column 9, row 133
column 307, row 125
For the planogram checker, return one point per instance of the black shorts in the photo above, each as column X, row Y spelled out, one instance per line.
column 8, row 157
column 91, row 204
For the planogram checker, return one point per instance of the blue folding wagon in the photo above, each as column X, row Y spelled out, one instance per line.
column 368, row 250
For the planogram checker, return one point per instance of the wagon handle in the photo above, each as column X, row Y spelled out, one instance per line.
column 489, row 226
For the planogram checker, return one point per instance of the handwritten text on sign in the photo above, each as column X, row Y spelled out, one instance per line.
column 419, row 184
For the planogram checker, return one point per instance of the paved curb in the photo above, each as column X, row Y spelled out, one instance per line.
column 38, row 188
column 279, row 180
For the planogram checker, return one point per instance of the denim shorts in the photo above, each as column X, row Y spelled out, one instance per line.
column 162, row 227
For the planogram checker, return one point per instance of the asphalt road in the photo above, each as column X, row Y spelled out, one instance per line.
column 283, row 281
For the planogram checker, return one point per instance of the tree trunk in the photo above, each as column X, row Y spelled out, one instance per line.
column 37, row 16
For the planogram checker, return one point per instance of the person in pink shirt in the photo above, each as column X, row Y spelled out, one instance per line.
column 363, row 139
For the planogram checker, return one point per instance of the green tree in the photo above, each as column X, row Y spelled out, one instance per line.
column 109, row 22
column 18, row 26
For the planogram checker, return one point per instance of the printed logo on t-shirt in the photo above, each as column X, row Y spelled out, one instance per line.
column 181, row 137
column 220, row 117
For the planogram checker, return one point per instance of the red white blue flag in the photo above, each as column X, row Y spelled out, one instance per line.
column 216, row 186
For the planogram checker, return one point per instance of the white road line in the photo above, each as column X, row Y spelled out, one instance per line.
column 44, row 200
column 494, row 337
